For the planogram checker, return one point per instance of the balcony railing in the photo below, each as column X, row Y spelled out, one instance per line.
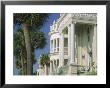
column 56, row 50
column 65, row 50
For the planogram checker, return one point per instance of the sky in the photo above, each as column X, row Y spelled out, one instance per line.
column 45, row 28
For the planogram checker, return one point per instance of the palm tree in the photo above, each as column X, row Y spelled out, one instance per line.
column 29, row 21
column 44, row 61
column 38, row 40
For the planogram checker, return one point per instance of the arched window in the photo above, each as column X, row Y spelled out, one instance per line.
column 65, row 30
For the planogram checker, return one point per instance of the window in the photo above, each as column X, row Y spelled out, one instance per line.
column 65, row 42
column 54, row 44
column 51, row 45
column 65, row 61
column 57, row 44
column 65, row 31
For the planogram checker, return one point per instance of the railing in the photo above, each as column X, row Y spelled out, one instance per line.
column 56, row 51
column 91, row 70
column 66, row 50
column 81, row 70
column 63, row 70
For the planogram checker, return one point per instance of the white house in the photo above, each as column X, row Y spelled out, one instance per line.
column 73, row 43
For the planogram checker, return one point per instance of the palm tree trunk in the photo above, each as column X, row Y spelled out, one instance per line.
column 28, row 49
column 22, row 63
column 24, row 55
column 25, row 63
column 25, row 69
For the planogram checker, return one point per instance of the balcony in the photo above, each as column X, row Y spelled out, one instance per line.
column 56, row 51
column 65, row 50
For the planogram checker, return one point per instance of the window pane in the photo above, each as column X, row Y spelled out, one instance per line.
column 65, row 42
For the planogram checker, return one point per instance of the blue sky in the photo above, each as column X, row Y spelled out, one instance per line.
column 45, row 28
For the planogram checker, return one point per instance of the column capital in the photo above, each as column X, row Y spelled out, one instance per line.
column 69, row 25
column 95, row 24
column 73, row 22
column 61, row 34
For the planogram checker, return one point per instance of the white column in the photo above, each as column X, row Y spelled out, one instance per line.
column 50, row 67
column 75, row 47
column 45, row 69
column 69, row 43
column 72, row 60
column 53, row 45
column 53, row 67
column 73, row 65
column 50, row 46
column 94, row 45
column 56, row 62
column 56, row 44
column 62, row 49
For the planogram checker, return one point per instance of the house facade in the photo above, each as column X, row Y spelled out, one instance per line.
column 73, row 44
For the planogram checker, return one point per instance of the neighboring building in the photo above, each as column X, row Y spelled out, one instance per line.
column 73, row 44
column 41, row 70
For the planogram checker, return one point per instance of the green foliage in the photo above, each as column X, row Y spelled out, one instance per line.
column 38, row 39
column 60, row 71
column 18, row 62
column 63, row 70
column 35, row 73
column 17, row 42
column 17, row 47
column 33, row 58
column 44, row 59
column 33, row 20
column 92, row 73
